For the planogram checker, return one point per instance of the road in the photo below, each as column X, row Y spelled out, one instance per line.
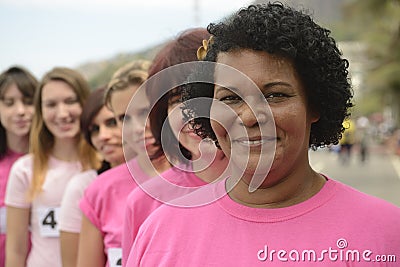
column 378, row 176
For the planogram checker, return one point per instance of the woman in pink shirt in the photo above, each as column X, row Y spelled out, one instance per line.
column 38, row 180
column 273, row 84
column 102, row 132
column 167, row 126
column 103, row 202
column 17, row 87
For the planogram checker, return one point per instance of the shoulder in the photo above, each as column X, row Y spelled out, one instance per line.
column 22, row 168
column 136, row 195
column 19, row 181
column 25, row 161
column 367, row 205
column 116, row 183
column 111, row 177
column 80, row 181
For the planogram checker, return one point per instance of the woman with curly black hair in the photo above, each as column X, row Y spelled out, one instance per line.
column 279, row 87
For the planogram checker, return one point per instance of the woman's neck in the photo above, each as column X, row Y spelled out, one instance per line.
column 152, row 167
column 66, row 149
column 19, row 144
column 217, row 168
column 293, row 189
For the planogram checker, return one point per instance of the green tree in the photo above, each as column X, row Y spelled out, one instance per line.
column 377, row 24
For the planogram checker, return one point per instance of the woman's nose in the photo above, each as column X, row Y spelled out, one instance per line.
column 252, row 115
column 20, row 107
column 62, row 110
column 104, row 133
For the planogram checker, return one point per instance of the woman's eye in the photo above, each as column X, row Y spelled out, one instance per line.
column 94, row 129
column 143, row 113
column 71, row 101
column 230, row 99
column 49, row 104
column 124, row 117
column 8, row 102
column 110, row 123
column 275, row 97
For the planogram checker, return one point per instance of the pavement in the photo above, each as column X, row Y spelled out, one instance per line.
column 379, row 175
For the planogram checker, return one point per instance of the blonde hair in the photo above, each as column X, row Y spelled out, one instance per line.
column 42, row 140
column 133, row 73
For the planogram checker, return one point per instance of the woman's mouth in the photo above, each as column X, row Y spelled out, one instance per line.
column 255, row 141
column 149, row 141
column 21, row 123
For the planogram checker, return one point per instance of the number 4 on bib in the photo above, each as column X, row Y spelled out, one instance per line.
column 48, row 218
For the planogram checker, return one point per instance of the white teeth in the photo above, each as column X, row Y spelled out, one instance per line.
column 256, row 142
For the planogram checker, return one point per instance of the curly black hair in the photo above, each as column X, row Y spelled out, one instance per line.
column 283, row 31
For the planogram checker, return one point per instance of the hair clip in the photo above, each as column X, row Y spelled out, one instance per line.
column 202, row 51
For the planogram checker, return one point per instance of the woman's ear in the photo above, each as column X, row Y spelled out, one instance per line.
column 314, row 115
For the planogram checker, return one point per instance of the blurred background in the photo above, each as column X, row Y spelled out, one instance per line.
column 98, row 36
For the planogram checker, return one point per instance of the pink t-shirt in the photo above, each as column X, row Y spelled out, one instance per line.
column 5, row 165
column 104, row 202
column 338, row 226
column 44, row 209
column 70, row 213
column 140, row 204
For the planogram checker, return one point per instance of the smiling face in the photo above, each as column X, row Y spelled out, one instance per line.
column 61, row 110
column 106, row 136
column 251, row 129
column 186, row 136
column 16, row 112
column 137, row 133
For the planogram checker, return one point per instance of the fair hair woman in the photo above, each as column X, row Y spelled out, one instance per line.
column 38, row 180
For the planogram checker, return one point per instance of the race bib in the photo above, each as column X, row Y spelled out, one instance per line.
column 47, row 219
column 114, row 257
column 3, row 220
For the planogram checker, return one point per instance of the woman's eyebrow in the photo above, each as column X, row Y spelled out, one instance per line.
column 278, row 83
column 268, row 85
column 226, row 88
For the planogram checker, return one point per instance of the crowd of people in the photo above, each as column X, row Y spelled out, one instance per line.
column 196, row 158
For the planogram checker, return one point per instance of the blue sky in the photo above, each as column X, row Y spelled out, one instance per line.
column 41, row 34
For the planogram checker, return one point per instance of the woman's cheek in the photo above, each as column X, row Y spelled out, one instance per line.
column 222, row 118
column 175, row 119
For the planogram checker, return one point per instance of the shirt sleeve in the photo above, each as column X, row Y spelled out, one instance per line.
column 88, row 205
column 71, row 214
column 19, row 182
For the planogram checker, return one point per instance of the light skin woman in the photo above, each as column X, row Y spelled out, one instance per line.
column 202, row 154
column 121, row 89
column 102, row 131
column 17, row 87
column 191, row 167
column 57, row 153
